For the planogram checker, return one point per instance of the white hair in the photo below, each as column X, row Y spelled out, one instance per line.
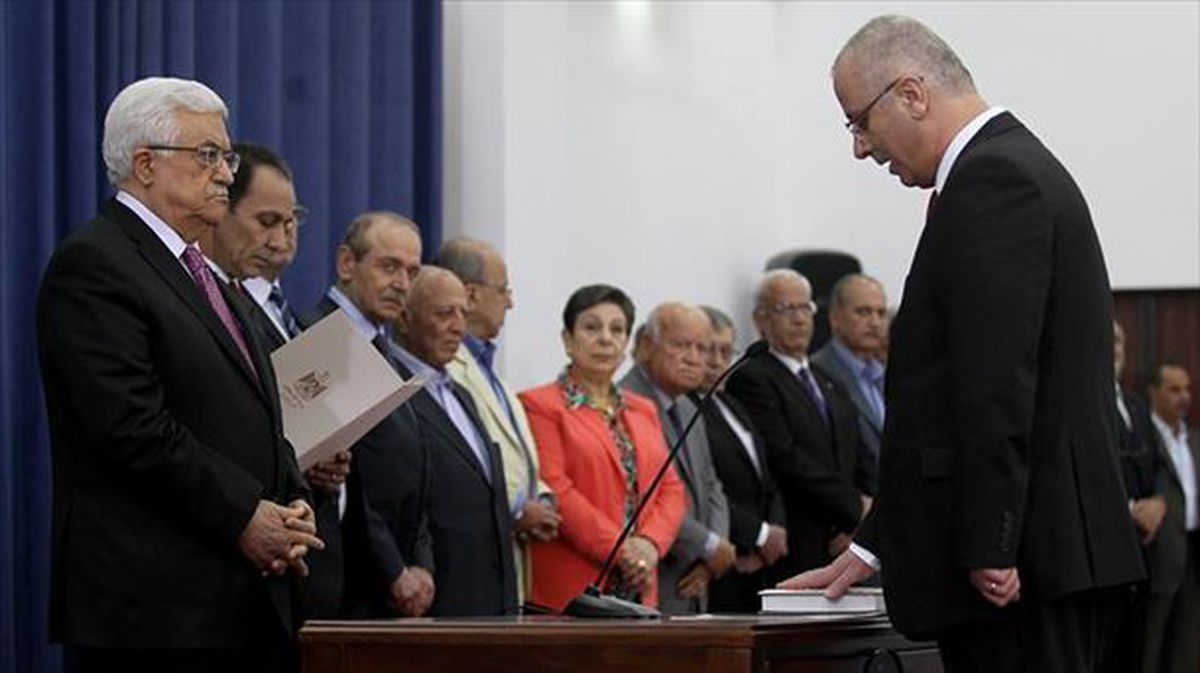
column 763, row 291
column 144, row 114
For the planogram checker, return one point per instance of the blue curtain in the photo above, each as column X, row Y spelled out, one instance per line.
column 348, row 91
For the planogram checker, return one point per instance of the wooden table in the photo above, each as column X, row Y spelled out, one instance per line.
column 741, row 644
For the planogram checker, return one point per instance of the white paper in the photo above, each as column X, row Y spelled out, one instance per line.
column 333, row 388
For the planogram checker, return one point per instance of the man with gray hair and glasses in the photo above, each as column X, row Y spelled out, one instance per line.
column 808, row 425
column 180, row 516
column 1001, row 523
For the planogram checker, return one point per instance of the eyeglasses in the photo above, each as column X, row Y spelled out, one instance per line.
column 208, row 155
column 504, row 289
column 858, row 123
column 808, row 308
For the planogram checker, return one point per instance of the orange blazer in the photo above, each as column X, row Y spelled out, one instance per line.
column 582, row 465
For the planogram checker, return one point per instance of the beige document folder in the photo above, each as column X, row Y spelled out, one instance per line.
column 333, row 388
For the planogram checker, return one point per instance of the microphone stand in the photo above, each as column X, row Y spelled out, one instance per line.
column 595, row 603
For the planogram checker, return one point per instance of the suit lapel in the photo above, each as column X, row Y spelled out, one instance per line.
column 435, row 417
column 795, row 390
column 740, row 414
column 491, row 404
column 176, row 277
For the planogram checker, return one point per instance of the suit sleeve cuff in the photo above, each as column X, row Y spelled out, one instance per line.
column 764, row 532
column 710, row 544
column 866, row 556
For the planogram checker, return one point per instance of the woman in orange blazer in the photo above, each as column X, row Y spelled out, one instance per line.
column 599, row 449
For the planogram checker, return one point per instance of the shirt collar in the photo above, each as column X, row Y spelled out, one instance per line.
column 368, row 329
column 217, row 270
column 858, row 366
column 419, row 367
column 1177, row 433
column 259, row 288
column 960, row 142
column 483, row 351
column 161, row 229
column 793, row 365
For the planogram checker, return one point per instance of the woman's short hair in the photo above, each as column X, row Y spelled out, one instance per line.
column 593, row 295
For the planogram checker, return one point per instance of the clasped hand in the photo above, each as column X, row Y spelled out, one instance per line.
column 277, row 538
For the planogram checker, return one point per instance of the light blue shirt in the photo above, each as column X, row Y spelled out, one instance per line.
column 440, row 387
column 868, row 377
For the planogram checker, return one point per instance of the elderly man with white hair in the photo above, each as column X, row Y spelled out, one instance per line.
column 808, row 423
column 180, row 520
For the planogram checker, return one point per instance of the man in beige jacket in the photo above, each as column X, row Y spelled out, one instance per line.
column 489, row 297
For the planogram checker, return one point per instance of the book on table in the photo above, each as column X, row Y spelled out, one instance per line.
column 858, row 600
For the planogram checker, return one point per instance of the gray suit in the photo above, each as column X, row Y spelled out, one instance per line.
column 870, row 423
column 708, row 510
column 1173, row 610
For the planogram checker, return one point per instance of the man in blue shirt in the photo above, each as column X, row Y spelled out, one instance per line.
column 858, row 322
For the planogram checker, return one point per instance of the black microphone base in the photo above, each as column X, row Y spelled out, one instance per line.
column 593, row 604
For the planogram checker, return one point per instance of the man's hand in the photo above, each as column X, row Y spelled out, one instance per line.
column 277, row 537
column 835, row 578
column 1148, row 516
column 998, row 586
column 638, row 562
column 775, row 547
column 539, row 520
column 838, row 544
column 694, row 583
column 722, row 559
column 750, row 563
column 328, row 476
column 412, row 592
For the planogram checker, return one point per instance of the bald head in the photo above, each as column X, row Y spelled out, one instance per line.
column 671, row 347
column 434, row 320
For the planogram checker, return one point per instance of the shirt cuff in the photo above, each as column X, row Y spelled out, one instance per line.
column 710, row 544
column 763, row 533
column 518, row 507
column 865, row 556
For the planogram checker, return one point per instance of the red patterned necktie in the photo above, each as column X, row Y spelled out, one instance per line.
column 194, row 261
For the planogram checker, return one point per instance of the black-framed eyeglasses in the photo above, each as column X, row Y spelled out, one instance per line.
column 208, row 155
column 858, row 123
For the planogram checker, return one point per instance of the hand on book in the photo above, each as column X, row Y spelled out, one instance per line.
column 835, row 578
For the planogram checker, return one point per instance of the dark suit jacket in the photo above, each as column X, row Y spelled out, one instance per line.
column 1168, row 554
column 752, row 496
column 998, row 448
column 163, row 443
column 260, row 321
column 468, row 516
column 1142, row 470
column 817, row 465
column 385, row 527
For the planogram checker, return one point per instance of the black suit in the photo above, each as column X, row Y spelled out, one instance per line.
column 384, row 528
column 469, row 516
column 164, row 442
column 268, row 333
column 753, row 501
column 816, row 462
column 1138, row 450
column 998, row 448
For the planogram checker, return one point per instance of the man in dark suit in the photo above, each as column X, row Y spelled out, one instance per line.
column 858, row 325
column 468, row 501
column 1001, row 523
column 808, row 424
column 180, row 523
column 756, row 518
column 388, row 557
column 1173, row 608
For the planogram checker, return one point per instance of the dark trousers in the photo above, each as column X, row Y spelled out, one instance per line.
column 1077, row 633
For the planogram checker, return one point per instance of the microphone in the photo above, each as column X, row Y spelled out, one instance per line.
column 593, row 602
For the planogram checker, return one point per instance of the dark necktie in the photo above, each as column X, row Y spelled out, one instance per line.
column 194, row 261
column 285, row 311
column 929, row 207
column 814, row 391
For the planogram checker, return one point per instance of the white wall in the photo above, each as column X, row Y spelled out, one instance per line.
column 670, row 148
